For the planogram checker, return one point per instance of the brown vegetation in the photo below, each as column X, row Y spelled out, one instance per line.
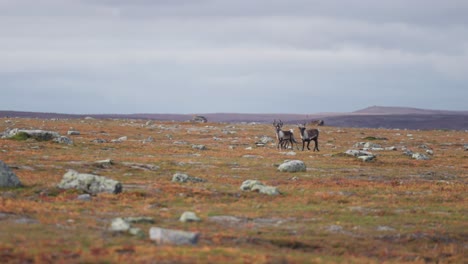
column 394, row 209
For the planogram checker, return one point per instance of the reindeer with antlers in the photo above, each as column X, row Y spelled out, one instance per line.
column 284, row 136
column 308, row 135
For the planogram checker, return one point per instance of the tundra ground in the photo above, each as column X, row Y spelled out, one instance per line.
column 341, row 210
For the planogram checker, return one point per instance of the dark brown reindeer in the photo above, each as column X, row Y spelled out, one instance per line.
column 284, row 136
column 308, row 135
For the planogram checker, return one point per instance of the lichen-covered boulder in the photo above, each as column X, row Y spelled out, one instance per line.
column 7, row 177
column 292, row 166
column 174, row 237
column 257, row 186
column 182, row 177
column 89, row 183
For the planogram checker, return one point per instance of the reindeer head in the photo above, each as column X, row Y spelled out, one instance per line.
column 278, row 125
column 301, row 127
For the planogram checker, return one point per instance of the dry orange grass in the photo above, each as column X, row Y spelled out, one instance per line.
column 393, row 210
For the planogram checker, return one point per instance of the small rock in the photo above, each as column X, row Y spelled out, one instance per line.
column 63, row 140
column 98, row 140
column 366, row 158
column 419, row 156
column 385, row 228
column 257, row 186
column 73, row 133
column 182, row 177
column 84, row 197
column 7, row 177
column 175, row 237
column 199, row 147
column 104, row 163
column 119, row 225
column 252, row 157
column 429, row 152
column 189, row 217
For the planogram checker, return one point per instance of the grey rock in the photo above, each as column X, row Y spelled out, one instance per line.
column 385, row 228
column 148, row 140
column 174, row 237
column 265, row 140
column 419, row 156
column 84, row 197
column 107, row 163
column 63, row 140
column 391, row 148
column 136, row 231
column 119, row 140
column 292, row 166
column 182, row 177
column 73, row 133
column 141, row 166
column 40, row 135
column 366, row 158
column 89, row 183
column 199, row 147
column 358, row 153
column 98, row 140
column 189, row 217
column 371, row 145
column 257, row 186
column 119, row 225
column 429, row 152
column 139, row 219
column 7, row 177
column 248, row 156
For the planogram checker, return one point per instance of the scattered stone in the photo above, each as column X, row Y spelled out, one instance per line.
column 199, row 147
column 73, row 133
column 226, row 220
column 7, row 177
column 408, row 152
column 385, row 228
column 358, row 153
column 366, row 158
column 63, row 140
column 98, row 140
column 139, row 219
column 429, row 152
column 148, row 140
column 174, row 237
column 119, row 225
column 182, row 177
column 370, row 145
column 465, row 147
column 84, row 197
column 419, row 156
column 189, row 217
column 257, row 186
column 89, row 183
column 119, row 140
column 252, row 157
column 335, row 228
column 391, row 148
column 141, row 166
column 265, row 140
column 290, row 153
column 104, row 163
column 180, row 143
column 292, row 166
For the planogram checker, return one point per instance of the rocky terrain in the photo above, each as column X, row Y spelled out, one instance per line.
column 88, row 189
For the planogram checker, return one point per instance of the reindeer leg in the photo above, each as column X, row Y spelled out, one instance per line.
column 316, row 145
column 308, row 144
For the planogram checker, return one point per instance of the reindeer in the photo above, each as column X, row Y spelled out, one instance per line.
column 284, row 137
column 308, row 135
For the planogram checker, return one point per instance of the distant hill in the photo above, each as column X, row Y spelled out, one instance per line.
column 370, row 117
column 392, row 110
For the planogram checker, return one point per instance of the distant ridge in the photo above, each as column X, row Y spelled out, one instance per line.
column 370, row 117
column 393, row 110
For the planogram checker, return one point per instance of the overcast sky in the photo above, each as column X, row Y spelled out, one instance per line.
column 247, row 56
